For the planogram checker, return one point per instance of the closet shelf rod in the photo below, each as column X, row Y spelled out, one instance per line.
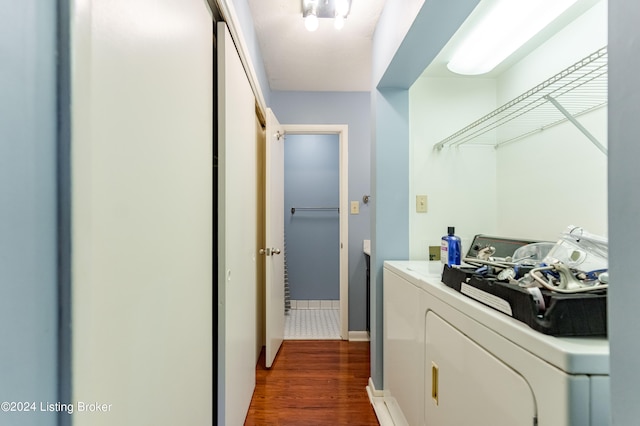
column 293, row 209
column 577, row 89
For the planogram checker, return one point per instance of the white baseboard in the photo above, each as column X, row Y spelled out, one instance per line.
column 371, row 387
column 376, row 398
column 358, row 336
column 385, row 406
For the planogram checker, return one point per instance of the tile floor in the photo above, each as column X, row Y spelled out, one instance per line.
column 312, row 324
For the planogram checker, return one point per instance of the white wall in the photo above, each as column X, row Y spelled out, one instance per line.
column 459, row 183
column 142, row 211
column 563, row 180
column 532, row 188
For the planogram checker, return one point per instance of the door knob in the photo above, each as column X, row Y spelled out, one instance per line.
column 275, row 251
column 266, row 252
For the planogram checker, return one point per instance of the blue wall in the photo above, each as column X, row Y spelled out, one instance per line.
column 28, row 218
column 352, row 109
column 245, row 20
column 312, row 179
column 397, row 70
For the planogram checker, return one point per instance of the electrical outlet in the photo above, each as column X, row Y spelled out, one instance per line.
column 355, row 207
column 421, row 203
column 434, row 252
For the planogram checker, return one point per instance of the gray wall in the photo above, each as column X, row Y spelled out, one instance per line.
column 352, row 109
column 28, row 219
column 624, row 209
column 312, row 179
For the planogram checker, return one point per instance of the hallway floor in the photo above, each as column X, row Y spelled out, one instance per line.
column 312, row 324
column 318, row 382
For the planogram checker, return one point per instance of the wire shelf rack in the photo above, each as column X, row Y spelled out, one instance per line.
column 577, row 90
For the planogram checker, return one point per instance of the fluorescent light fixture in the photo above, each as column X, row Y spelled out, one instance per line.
column 506, row 27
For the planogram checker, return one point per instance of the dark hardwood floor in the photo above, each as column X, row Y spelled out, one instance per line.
column 313, row 382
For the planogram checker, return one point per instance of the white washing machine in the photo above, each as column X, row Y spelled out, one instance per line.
column 450, row 360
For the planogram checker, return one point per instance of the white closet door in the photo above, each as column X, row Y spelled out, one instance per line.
column 274, row 204
column 142, row 212
column 237, row 239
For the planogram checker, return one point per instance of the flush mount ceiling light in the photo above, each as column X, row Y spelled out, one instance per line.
column 506, row 27
column 312, row 10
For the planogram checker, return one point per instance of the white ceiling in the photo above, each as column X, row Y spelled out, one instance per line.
column 340, row 60
column 324, row 60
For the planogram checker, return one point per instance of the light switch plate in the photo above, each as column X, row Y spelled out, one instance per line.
column 355, row 207
column 421, row 203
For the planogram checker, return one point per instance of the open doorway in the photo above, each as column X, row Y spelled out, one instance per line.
column 323, row 297
column 312, row 236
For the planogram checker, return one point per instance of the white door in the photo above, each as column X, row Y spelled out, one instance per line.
column 274, row 226
column 237, row 234
column 142, row 213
